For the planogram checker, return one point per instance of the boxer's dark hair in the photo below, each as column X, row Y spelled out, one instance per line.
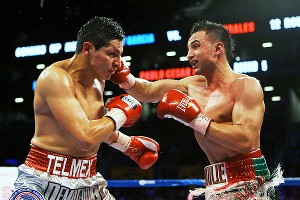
column 99, row 31
column 218, row 33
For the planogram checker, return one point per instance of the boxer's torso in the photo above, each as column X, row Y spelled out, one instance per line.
column 216, row 103
column 48, row 133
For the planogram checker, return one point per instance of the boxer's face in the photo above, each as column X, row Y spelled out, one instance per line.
column 105, row 60
column 200, row 52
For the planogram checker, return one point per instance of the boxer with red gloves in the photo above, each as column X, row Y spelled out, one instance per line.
column 123, row 77
column 232, row 118
column 71, row 125
column 183, row 108
column 124, row 110
column 143, row 150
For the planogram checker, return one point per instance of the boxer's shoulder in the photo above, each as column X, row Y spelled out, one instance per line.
column 195, row 78
column 244, row 82
column 194, row 81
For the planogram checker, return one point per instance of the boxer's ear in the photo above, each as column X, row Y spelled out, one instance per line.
column 218, row 48
column 87, row 47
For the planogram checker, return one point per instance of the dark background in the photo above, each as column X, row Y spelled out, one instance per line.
column 24, row 23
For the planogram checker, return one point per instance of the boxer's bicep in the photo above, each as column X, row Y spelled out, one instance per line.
column 58, row 93
column 249, row 106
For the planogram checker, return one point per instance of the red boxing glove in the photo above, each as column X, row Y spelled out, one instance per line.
column 183, row 108
column 123, row 77
column 124, row 110
column 143, row 150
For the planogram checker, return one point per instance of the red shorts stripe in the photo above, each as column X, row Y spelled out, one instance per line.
column 61, row 165
column 238, row 168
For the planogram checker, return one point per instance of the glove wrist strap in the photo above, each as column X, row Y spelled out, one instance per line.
column 122, row 143
column 200, row 124
column 118, row 116
column 129, row 83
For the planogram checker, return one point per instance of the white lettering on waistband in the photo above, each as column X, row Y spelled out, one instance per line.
column 57, row 165
column 51, row 157
column 215, row 174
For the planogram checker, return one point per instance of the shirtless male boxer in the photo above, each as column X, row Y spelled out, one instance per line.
column 70, row 121
column 224, row 108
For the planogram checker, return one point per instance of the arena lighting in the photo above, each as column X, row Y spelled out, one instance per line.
column 171, row 53
column 291, row 22
column 12, row 161
column 126, row 58
column 36, row 50
column 40, row 66
column 108, row 93
column 249, row 66
column 172, row 73
column 245, row 66
column 267, row 44
column 173, row 35
column 268, row 88
column 147, row 38
column 264, row 65
column 288, row 23
column 181, row 72
column 183, row 58
column 33, row 85
column 127, row 63
column 70, row 46
column 276, row 98
column 275, row 24
column 241, row 27
column 54, row 48
column 19, row 100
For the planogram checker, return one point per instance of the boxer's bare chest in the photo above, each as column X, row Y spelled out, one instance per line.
column 216, row 104
column 91, row 100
